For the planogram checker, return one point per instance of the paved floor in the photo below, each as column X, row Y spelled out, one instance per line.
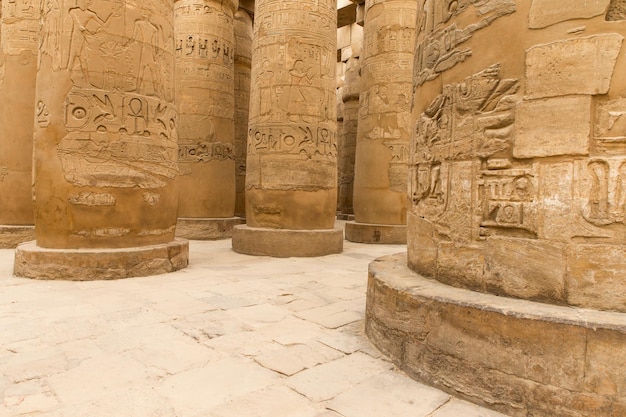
column 231, row 335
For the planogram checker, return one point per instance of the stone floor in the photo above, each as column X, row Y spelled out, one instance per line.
column 231, row 335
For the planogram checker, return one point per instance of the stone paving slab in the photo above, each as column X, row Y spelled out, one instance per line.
column 229, row 336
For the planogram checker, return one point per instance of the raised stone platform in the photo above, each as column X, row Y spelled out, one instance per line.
column 285, row 243
column 32, row 261
column 376, row 233
column 11, row 236
column 519, row 357
column 206, row 228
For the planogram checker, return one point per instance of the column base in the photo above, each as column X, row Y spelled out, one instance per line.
column 342, row 216
column 389, row 234
column 519, row 357
column 285, row 243
column 206, row 228
column 32, row 261
column 11, row 236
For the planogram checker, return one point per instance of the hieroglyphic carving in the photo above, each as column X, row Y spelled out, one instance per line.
column 93, row 199
column 472, row 120
column 507, row 199
column 610, row 126
column 439, row 47
column 205, row 152
column 304, row 139
column 603, row 189
column 20, row 26
column 118, row 140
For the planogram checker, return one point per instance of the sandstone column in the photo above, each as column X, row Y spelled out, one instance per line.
column 105, row 143
column 243, row 56
column 380, row 183
column 512, row 292
column 205, row 99
column 291, row 185
column 19, row 27
column 347, row 154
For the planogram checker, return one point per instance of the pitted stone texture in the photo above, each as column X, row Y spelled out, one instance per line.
column 285, row 243
column 376, row 233
column 505, row 353
column 11, row 236
column 32, row 261
column 206, row 229
column 546, row 12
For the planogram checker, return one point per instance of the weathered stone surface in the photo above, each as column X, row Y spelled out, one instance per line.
column 19, row 24
column 595, row 277
column 570, row 130
column 574, row 66
column 384, row 128
column 243, row 55
column 33, row 261
column 375, row 233
column 206, row 229
column 205, row 101
column 105, row 124
column 545, row 12
column 11, row 236
column 526, row 268
column 285, row 243
column 292, row 138
column 498, row 351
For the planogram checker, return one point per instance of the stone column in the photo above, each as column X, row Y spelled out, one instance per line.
column 350, row 99
column 243, row 56
column 380, row 183
column 205, row 99
column 105, row 143
column 516, row 250
column 291, row 184
column 19, row 27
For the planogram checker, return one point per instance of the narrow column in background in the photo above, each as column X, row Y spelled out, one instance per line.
column 205, row 100
column 384, row 130
column 19, row 26
column 105, row 143
column 291, row 179
column 350, row 98
column 243, row 55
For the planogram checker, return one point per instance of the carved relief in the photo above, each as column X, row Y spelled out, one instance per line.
column 92, row 199
column 205, row 152
column 304, row 140
column 603, row 189
column 80, row 37
column 508, row 198
column 118, row 140
column 473, row 119
column 440, row 47
column 20, row 26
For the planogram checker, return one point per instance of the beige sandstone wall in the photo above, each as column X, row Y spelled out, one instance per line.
column 518, row 160
column 384, row 126
column 19, row 24
column 105, row 129
column 205, row 99
column 292, row 151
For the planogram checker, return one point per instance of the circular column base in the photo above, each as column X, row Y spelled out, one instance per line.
column 389, row 234
column 519, row 357
column 32, row 261
column 285, row 243
column 206, row 228
column 11, row 236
